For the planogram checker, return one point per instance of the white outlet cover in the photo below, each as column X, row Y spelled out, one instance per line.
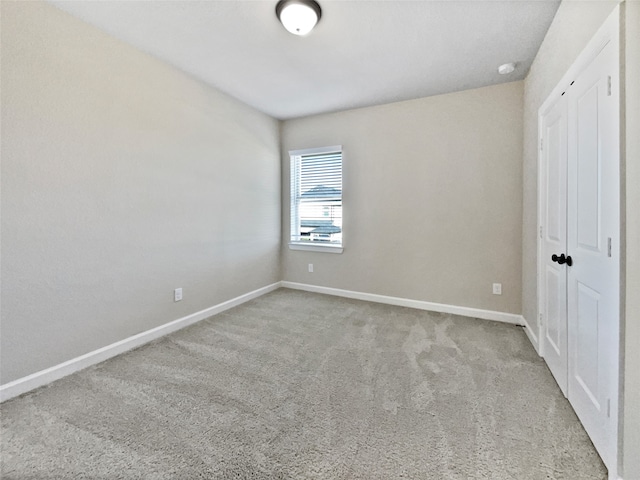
column 177, row 294
column 497, row 289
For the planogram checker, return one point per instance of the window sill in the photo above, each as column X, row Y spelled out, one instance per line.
column 316, row 248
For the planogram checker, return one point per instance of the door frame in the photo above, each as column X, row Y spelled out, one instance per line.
column 609, row 30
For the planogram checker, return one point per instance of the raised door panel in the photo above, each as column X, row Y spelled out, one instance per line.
column 588, row 169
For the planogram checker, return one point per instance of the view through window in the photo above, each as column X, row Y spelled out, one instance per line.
column 316, row 196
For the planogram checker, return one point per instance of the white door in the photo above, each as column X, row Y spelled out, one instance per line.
column 554, row 239
column 593, row 243
column 579, row 247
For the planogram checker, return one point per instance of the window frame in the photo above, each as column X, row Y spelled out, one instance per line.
column 294, row 162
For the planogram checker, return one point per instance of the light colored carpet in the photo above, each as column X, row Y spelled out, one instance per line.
column 296, row 385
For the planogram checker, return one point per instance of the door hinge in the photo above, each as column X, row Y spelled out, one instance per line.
column 540, row 231
column 541, row 143
column 609, row 86
column 608, row 408
column 609, row 247
column 540, row 319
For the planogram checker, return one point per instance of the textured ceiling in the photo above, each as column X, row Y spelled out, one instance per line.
column 361, row 53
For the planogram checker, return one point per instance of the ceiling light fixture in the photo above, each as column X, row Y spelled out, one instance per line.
column 506, row 68
column 298, row 16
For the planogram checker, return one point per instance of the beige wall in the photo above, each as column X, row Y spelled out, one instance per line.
column 432, row 198
column 631, row 365
column 122, row 179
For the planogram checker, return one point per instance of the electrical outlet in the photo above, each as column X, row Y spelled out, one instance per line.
column 311, row 268
column 497, row 289
column 177, row 294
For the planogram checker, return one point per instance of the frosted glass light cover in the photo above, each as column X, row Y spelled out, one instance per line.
column 298, row 19
column 506, row 68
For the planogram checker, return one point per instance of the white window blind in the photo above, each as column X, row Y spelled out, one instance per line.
column 316, row 196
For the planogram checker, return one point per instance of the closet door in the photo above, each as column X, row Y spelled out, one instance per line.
column 587, row 103
column 593, row 243
column 554, row 239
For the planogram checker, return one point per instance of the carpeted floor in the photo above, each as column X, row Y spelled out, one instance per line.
column 296, row 385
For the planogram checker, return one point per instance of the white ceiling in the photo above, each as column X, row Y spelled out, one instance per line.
column 361, row 53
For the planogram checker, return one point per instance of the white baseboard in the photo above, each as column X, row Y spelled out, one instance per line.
column 43, row 377
column 531, row 333
column 405, row 302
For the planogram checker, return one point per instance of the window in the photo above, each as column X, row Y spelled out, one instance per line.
column 316, row 199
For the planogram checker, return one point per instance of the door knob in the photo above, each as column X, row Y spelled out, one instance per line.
column 562, row 259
